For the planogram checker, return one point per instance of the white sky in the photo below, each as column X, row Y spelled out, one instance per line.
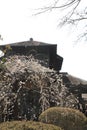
column 18, row 24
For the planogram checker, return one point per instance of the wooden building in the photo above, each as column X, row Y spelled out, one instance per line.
column 78, row 87
column 40, row 50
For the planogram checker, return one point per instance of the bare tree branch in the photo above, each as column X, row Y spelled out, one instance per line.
column 73, row 14
column 63, row 6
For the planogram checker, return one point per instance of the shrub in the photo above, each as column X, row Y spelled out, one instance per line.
column 66, row 118
column 2, row 67
column 27, row 125
column 3, row 60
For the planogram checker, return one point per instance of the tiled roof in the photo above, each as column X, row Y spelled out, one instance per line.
column 74, row 80
column 29, row 43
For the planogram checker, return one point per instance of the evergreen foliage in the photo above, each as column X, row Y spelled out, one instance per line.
column 27, row 125
column 67, row 118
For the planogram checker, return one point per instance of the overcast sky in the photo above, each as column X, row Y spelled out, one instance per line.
column 18, row 24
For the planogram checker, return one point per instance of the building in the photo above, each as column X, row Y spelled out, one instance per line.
column 78, row 87
column 40, row 50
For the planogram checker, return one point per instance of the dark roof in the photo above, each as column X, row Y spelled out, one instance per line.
column 73, row 80
column 77, row 81
column 31, row 43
